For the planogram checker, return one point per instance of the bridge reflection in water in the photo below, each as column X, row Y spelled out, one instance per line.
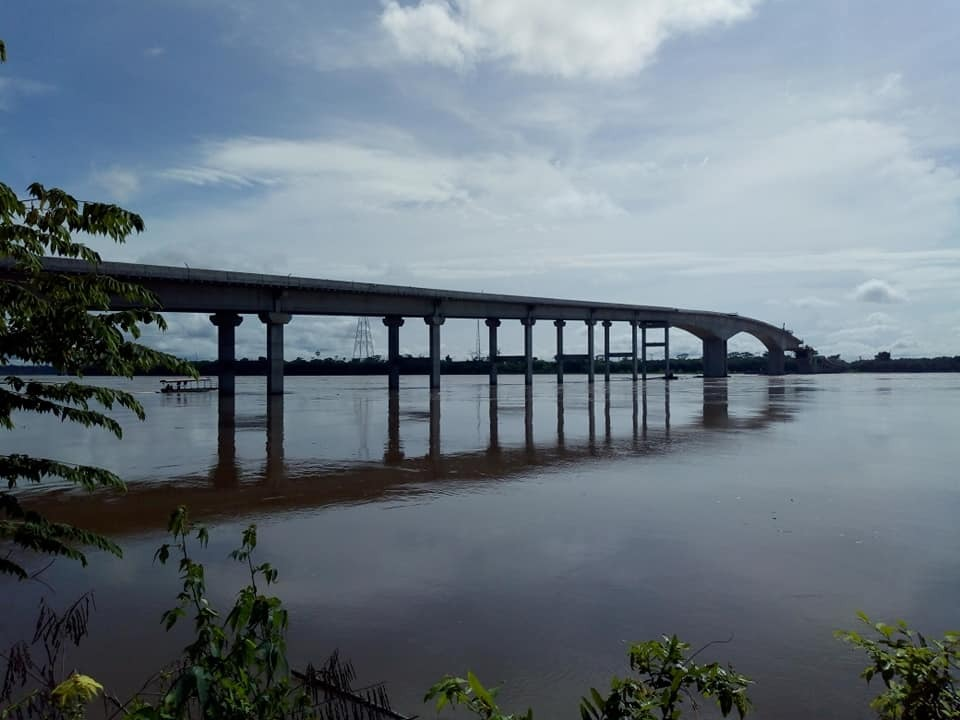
column 232, row 489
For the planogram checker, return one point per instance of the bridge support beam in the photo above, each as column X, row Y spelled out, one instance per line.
column 227, row 324
column 528, row 323
column 433, row 324
column 714, row 358
column 493, row 324
column 606, row 350
column 591, row 352
column 559, row 324
column 805, row 361
column 776, row 364
column 274, row 322
column 633, row 348
column 393, row 323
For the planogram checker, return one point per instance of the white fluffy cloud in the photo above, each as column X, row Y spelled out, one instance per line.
column 878, row 291
column 119, row 184
column 602, row 38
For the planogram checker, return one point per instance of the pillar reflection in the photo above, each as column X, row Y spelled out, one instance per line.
column 716, row 406
column 591, row 420
column 560, row 439
column 393, row 450
column 493, row 413
column 275, row 459
column 776, row 388
column 643, row 410
column 226, row 473
column 434, row 426
column 528, row 418
column 666, row 405
column 607, row 428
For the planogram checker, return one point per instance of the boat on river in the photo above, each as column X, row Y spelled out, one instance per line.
column 176, row 386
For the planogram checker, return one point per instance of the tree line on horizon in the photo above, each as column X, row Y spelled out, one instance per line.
column 737, row 362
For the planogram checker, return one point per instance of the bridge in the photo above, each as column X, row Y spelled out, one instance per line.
column 276, row 299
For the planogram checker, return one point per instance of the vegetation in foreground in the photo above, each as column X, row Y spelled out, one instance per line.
column 46, row 319
column 236, row 665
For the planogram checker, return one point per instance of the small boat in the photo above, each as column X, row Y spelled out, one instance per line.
column 186, row 385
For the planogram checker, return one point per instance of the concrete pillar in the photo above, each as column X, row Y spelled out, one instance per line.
column 559, row 324
column 493, row 324
column 806, row 364
column 633, row 347
column 606, row 350
column 433, row 324
column 643, row 344
column 274, row 322
column 591, row 364
column 528, row 324
column 393, row 323
column 226, row 351
column 666, row 352
column 775, row 361
column 714, row 358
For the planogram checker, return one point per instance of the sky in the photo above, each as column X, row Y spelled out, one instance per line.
column 797, row 161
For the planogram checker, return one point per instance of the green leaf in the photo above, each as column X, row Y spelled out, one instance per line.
column 479, row 690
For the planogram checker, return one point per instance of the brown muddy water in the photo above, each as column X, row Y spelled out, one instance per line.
column 531, row 536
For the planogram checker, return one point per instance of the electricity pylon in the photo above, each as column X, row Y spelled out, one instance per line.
column 363, row 340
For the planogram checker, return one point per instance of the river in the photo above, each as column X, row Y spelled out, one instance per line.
column 531, row 537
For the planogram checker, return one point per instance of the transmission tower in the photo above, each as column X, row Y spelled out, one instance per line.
column 363, row 340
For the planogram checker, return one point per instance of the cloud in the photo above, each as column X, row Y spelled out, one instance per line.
column 880, row 318
column 878, row 291
column 12, row 89
column 155, row 51
column 118, row 183
column 567, row 38
column 575, row 204
column 811, row 301
column 392, row 172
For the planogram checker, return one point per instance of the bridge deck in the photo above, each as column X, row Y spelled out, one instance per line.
column 209, row 291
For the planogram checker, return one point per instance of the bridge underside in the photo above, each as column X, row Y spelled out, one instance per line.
column 277, row 300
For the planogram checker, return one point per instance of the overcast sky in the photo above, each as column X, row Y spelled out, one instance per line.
column 792, row 160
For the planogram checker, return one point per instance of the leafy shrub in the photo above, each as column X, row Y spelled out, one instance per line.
column 236, row 667
column 667, row 678
column 917, row 674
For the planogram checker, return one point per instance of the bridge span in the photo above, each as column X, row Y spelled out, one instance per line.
column 276, row 299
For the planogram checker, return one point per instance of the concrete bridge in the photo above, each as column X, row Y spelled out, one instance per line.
column 276, row 299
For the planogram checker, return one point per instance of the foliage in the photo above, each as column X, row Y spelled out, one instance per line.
column 471, row 693
column 236, row 667
column 918, row 675
column 45, row 319
column 667, row 676
column 666, row 679
column 39, row 666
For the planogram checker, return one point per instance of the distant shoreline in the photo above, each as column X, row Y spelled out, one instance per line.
column 738, row 363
